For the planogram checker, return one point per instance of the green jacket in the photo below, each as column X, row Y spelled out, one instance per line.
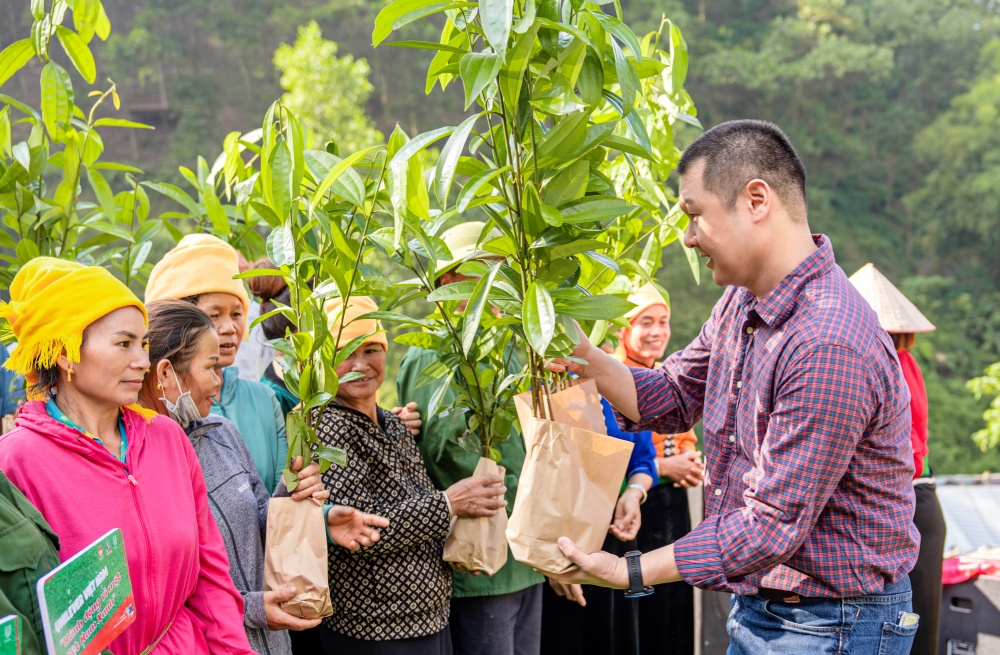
column 447, row 462
column 30, row 550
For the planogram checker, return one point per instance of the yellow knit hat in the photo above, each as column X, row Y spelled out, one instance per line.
column 643, row 298
column 52, row 301
column 200, row 263
column 354, row 328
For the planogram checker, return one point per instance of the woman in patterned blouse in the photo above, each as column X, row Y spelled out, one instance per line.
column 392, row 598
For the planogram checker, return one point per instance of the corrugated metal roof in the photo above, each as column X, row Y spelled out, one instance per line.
column 972, row 515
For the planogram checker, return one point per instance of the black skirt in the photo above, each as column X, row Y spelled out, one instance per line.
column 334, row 643
column 611, row 624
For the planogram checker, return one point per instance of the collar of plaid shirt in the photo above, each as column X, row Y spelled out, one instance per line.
column 807, row 423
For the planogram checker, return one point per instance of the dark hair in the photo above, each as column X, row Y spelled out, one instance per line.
column 271, row 289
column 736, row 152
column 175, row 327
column 48, row 377
column 903, row 340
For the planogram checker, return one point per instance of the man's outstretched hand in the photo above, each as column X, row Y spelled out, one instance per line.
column 600, row 568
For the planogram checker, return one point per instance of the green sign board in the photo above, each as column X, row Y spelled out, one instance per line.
column 87, row 600
column 10, row 635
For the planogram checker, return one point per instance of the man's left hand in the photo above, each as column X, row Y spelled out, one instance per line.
column 600, row 568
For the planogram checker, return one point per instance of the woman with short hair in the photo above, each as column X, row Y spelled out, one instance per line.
column 82, row 348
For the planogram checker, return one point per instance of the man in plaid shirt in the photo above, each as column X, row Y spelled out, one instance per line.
column 809, row 503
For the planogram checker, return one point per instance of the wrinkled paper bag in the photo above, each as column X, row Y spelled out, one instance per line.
column 479, row 543
column 295, row 556
column 570, row 480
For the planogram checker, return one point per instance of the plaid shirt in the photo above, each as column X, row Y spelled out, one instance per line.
column 807, row 439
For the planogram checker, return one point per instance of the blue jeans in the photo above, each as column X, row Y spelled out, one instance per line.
column 864, row 625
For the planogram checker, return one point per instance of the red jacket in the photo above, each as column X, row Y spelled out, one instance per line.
column 918, row 408
column 176, row 557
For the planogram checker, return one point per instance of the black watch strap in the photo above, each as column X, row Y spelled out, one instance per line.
column 635, row 586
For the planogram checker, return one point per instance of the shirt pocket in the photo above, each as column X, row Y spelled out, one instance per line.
column 23, row 544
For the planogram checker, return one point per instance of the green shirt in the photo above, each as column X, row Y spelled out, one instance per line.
column 447, row 462
column 30, row 550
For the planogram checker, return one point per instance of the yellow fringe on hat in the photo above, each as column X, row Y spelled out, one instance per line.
column 144, row 412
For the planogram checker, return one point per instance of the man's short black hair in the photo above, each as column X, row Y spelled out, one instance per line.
column 736, row 152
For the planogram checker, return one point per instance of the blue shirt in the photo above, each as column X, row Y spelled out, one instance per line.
column 643, row 459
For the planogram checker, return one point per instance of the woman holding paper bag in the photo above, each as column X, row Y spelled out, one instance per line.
column 184, row 354
column 81, row 345
column 393, row 597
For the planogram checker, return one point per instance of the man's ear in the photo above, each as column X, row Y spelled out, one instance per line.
column 759, row 198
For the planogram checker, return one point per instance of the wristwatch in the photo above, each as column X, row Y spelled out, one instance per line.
column 635, row 586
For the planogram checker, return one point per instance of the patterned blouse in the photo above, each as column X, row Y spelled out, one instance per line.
column 400, row 587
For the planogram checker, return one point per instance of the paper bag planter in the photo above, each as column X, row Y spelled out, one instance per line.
column 570, row 480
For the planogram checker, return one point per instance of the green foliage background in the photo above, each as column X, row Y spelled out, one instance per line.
column 893, row 105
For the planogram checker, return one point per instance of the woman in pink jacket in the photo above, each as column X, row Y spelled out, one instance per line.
column 91, row 460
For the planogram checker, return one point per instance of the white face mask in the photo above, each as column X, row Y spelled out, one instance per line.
column 184, row 411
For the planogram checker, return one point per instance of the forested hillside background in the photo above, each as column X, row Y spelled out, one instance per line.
column 893, row 105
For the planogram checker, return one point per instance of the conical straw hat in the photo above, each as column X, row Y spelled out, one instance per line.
column 895, row 312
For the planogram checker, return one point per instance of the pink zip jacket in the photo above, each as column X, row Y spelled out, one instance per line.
column 185, row 600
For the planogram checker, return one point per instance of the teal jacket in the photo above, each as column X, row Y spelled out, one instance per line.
column 30, row 550
column 255, row 411
column 447, row 463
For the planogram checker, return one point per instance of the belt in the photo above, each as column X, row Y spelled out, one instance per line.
column 779, row 595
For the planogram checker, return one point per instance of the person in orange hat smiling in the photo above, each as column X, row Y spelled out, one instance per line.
column 385, row 475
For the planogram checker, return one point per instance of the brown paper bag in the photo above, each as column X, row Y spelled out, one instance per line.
column 479, row 544
column 578, row 404
column 569, row 483
column 295, row 556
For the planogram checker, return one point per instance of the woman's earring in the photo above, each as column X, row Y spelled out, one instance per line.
column 69, row 374
column 159, row 386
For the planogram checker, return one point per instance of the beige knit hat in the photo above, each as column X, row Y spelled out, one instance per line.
column 895, row 312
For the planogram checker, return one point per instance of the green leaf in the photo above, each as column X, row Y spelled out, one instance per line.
column 338, row 170
column 450, row 154
column 426, row 45
column 103, row 192
column 78, row 52
column 512, row 75
column 632, row 120
column 476, row 184
column 462, row 290
column 404, row 12
column 121, row 122
column 570, row 184
column 400, row 190
column 497, row 17
column 335, row 456
column 291, row 479
column 621, row 32
column 57, row 99
column 474, row 310
column 627, row 145
column 594, row 308
column 568, row 135
column 419, row 340
column 14, row 57
column 281, row 245
column 595, row 210
column 477, row 70
column 281, row 170
column 628, row 79
column 538, row 317
column 176, row 194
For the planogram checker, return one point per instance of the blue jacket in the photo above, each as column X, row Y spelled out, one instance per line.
column 643, row 458
column 255, row 411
